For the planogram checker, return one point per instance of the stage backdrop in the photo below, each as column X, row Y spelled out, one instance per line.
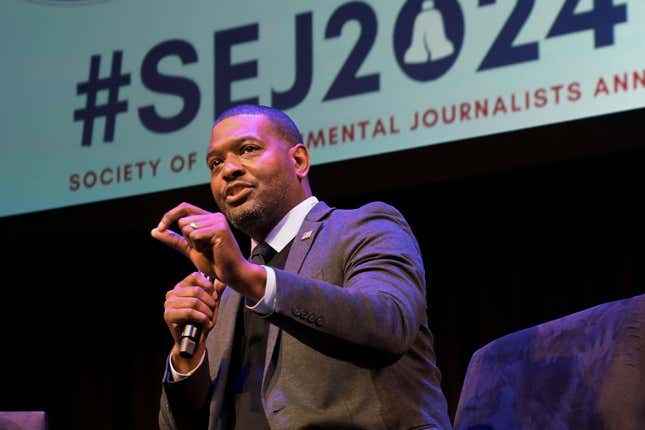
column 104, row 99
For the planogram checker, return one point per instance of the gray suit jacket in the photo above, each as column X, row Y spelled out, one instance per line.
column 348, row 345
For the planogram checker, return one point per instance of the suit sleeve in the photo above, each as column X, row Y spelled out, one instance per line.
column 370, row 289
column 184, row 404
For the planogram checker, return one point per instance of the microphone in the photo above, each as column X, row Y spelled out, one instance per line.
column 188, row 339
column 190, row 334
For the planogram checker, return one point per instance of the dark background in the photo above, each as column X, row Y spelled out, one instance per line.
column 516, row 229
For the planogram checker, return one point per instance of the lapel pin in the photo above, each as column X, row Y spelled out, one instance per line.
column 306, row 235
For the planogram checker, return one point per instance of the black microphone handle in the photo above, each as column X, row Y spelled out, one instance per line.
column 188, row 339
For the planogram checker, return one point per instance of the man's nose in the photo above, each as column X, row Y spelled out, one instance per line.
column 232, row 166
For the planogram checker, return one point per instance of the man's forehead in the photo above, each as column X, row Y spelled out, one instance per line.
column 241, row 123
column 238, row 128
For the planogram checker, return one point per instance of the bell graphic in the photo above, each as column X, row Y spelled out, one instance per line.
column 429, row 40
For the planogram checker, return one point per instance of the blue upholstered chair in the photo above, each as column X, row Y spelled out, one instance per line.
column 23, row 420
column 584, row 371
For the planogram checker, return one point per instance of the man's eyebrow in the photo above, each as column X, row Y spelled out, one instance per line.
column 231, row 142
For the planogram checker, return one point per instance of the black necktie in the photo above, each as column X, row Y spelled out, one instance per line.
column 248, row 360
column 262, row 253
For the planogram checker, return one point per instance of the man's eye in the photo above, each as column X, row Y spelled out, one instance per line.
column 213, row 164
column 247, row 149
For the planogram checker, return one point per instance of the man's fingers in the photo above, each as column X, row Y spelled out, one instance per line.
column 179, row 211
column 172, row 239
column 199, row 278
column 193, row 299
column 190, row 304
column 183, row 315
column 195, row 285
column 191, row 284
column 219, row 287
column 197, row 231
column 193, row 222
column 201, row 239
column 197, row 223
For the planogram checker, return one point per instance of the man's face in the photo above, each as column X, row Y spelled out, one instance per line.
column 253, row 173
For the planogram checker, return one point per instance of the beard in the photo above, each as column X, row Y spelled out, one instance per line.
column 247, row 218
column 257, row 216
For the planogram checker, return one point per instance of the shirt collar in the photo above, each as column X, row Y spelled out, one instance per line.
column 288, row 226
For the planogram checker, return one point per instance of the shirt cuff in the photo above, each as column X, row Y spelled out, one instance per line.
column 178, row 376
column 266, row 305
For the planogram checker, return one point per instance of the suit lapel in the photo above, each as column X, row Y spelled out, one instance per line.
column 228, row 317
column 300, row 247
column 219, row 357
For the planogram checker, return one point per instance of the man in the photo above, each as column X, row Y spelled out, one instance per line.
column 327, row 331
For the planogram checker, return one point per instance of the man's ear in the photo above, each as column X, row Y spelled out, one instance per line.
column 300, row 156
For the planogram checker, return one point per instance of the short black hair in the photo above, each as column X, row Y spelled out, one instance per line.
column 283, row 124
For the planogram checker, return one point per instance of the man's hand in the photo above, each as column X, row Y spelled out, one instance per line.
column 193, row 300
column 207, row 240
column 198, row 251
